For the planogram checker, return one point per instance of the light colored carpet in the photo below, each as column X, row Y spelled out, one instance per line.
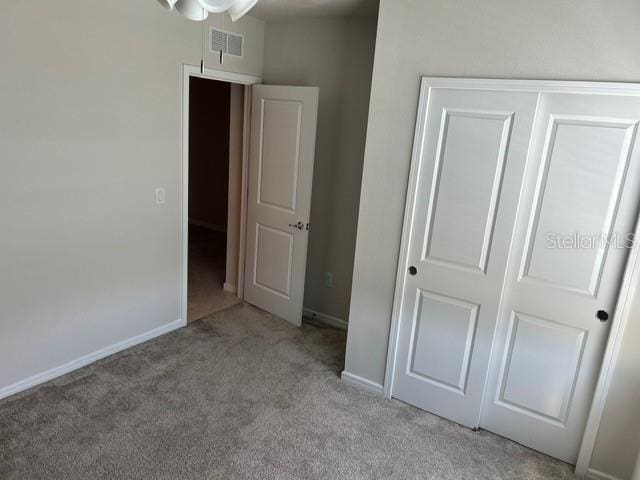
column 240, row 395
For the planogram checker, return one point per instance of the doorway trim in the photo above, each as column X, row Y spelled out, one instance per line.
column 189, row 71
column 630, row 282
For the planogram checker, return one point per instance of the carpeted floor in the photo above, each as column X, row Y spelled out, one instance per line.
column 240, row 395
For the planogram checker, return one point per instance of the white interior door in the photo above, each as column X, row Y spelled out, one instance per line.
column 583, row 186
column 471, row 155
column 283, row 135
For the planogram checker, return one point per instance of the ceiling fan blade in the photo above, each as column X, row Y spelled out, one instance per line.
column 192, row 10
column 168, row 4
column 216, row 6
column 240, row 8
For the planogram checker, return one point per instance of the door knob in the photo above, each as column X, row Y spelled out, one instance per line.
column 602, row 315
column 299, row 225
column 413, row 270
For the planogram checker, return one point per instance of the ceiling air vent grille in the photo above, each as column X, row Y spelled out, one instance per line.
column 228, row 43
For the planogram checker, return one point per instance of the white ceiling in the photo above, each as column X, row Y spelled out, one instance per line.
column 273, row 10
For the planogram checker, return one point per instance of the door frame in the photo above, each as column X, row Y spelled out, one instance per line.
column 631, row 279
column 189, row 71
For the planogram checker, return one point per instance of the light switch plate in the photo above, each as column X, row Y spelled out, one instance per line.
column 328, row 279
column 161, row 196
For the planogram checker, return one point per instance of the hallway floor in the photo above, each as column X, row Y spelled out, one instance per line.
column 241, row 395
column 207, row 264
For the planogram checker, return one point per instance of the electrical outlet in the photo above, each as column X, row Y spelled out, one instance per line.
column 161, row 196
column 328, row 279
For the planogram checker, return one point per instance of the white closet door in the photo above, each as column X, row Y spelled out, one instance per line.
column 583, row 183
column 283, row 139
column 471, row 153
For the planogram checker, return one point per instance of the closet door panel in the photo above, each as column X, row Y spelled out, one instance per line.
column 472, row 149
column 569, row 253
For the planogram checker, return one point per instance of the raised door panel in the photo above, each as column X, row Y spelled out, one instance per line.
column 443, row 335
column 279, row 154
column 540, row 367
column 273, row 260
column 467, row 179
column 585, row 161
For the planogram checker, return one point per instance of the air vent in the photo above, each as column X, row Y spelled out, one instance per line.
column 228, row 43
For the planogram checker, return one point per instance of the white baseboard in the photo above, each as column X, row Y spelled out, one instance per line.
column 88, row 359
column 356, row 381
column 326, row 319
column 597, row 475
column 230, row 287
column 208, row 226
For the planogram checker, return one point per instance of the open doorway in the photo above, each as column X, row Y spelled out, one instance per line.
column 269, row 133
column 214, row 190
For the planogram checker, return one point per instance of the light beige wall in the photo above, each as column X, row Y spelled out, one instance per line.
column 547, row 39
column 90, row 125
column 337, row 56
